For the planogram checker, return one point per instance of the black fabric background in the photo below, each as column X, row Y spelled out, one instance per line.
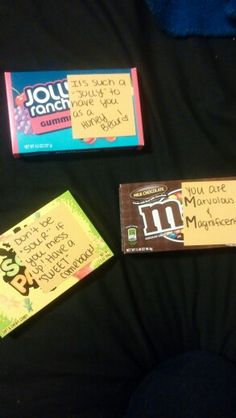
column 82, row 356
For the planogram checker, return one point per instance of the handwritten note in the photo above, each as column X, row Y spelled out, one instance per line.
column 101, row 105
column 54, row 247
column 209, row 209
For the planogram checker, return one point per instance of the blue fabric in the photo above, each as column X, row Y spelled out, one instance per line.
column 192, row 385
column 195, row 17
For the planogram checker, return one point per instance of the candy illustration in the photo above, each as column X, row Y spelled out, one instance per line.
column 21, row 115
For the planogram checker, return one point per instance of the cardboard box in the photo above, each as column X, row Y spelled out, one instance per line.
column 43, row 256
column 78, row 110
column 177, row 215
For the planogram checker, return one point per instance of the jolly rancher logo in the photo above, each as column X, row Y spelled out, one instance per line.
column 48, row 106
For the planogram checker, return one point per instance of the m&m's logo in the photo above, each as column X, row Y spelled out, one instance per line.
column 162, row 215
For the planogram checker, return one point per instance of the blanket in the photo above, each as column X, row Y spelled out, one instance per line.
column 195, row 17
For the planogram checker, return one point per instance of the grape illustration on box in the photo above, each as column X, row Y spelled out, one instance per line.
column 57, row 111
column 22, row 117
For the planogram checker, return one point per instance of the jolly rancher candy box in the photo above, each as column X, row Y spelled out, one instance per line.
column 177, row 215
column 59, row 111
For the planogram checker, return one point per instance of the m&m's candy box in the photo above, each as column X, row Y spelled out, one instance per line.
column 177, row 215
column 78, row 110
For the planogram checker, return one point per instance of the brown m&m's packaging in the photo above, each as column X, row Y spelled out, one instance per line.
column 177, row 215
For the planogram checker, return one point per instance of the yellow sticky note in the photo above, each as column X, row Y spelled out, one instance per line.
column 209, row 211
column 101, row 105
column 53, row 248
